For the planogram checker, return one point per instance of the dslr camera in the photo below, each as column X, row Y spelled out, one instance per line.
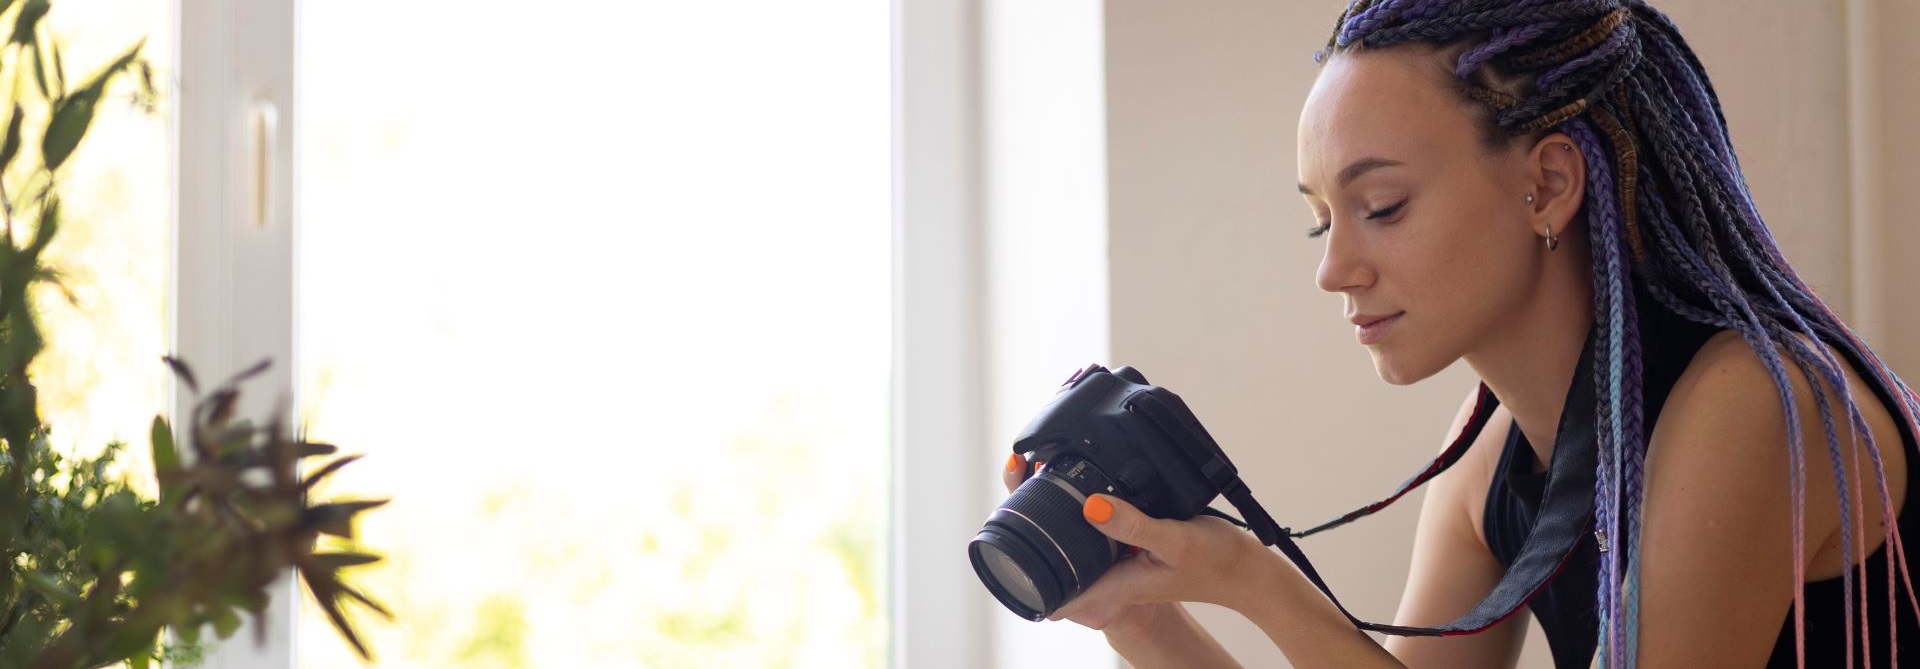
column 1105, row 432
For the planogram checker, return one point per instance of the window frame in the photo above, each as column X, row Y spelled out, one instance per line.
column 232, row 284
column 938, row 611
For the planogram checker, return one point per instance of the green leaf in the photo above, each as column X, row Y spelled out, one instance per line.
column 166, row 459
column 337, row 561
column 70, row 120
column 49, row 226
column 141, row 661
column 30, row 15
column 225, row 621
column 52, row 589
column 136, row 643
column 327, row 470
column 308, row 449
column 12, row 146
column 185, row 373
column 336, row 518
column 59, row 68
column 39, row 72
column 188, row 633
column 75, row 112
column 114, row 68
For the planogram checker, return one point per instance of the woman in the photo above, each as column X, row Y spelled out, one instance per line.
column 1546, row 189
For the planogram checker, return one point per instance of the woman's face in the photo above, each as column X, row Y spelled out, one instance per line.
column 1422, row 219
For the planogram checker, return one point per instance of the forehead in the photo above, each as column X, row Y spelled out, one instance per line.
column 1393, row 103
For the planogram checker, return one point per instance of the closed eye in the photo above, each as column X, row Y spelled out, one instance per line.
column 1387, row 212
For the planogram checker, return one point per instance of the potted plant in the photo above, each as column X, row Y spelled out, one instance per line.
column 95, row 572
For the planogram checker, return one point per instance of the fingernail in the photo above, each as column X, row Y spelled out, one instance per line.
column 1098, row 509
column 1013, row 463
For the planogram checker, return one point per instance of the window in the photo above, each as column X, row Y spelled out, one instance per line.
column 603, row 292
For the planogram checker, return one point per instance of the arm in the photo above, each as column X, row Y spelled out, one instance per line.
column 1169, row 637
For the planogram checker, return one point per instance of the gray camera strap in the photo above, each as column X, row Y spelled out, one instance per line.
column 1566, row 510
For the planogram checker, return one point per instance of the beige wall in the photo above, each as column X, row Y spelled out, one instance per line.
column 1212, row 279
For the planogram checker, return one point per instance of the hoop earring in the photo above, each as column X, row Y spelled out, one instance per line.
column 1553, row 242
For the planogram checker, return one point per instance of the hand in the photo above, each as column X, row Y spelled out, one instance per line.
column 1198, row 560
column 1123, row 619
column 1203, row 559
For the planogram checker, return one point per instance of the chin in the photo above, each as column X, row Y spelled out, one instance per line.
column 1400, row 370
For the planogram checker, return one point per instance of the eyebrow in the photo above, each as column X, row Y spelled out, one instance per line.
column 1353, row 171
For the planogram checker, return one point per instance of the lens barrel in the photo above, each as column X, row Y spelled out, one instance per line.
column 1037, row 552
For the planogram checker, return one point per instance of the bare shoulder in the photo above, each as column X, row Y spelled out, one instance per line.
column 1718, row 502
column 1726, row 412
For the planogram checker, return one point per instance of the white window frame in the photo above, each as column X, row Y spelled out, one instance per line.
column 232, row 270
column 938, row 610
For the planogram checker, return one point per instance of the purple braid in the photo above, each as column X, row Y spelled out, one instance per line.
column 1502, row 41
column 1618, row 428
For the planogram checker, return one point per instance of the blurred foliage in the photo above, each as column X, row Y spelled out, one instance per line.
column 94, row 571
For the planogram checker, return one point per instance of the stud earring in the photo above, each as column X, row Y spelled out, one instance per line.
column 1529, row 198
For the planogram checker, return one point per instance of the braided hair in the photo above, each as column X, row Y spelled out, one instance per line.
column 1668, row 211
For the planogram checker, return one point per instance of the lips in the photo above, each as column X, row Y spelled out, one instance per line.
column 1369, row 329
column 1364, row 320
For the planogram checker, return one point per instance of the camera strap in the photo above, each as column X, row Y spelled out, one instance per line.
column 1566, row 510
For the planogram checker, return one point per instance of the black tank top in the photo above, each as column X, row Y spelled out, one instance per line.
column 1565, row 607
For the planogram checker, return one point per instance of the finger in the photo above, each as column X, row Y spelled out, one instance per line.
column 1015, row 472
column 1134, row 580
column 1122, row 522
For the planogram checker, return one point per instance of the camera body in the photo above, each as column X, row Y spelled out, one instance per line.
column 1105, row 432
column 1098, row 419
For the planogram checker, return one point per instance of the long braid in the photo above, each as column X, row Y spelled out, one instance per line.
column 1712, row 198
column 1620, row 418
column 1669, row 212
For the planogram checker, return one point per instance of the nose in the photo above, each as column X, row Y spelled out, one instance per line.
column 1343, row 266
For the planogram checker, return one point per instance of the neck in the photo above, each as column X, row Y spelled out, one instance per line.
column 1529, row 362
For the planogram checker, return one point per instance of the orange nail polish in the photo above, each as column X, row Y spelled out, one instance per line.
column 1098, row 509
column 1013, row 463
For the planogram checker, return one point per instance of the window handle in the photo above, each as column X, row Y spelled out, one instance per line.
column 264, row 122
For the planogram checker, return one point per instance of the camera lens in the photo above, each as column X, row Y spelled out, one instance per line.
column 1007, row 572
column 1036, row 551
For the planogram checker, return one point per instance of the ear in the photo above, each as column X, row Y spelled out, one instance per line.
column 1558, row 172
